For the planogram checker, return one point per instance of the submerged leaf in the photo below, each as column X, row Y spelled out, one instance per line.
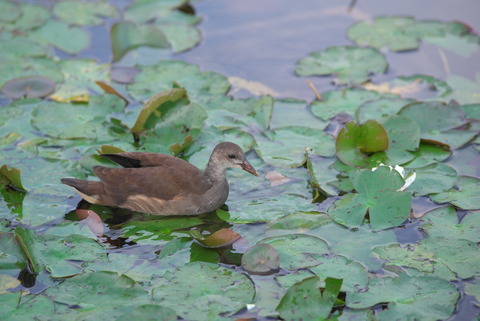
column 261, row 259
column 29, row 87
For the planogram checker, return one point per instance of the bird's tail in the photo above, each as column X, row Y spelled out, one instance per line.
column 90, row 191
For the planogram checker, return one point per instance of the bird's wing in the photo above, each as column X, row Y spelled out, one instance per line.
column 139, row 159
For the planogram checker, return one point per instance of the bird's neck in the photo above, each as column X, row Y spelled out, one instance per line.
column 215, row 172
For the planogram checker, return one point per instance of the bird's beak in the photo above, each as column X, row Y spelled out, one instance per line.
column 249, row 168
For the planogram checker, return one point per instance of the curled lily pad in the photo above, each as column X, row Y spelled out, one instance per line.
column 220, row 238
column 351, row 65
column 354, row 142
column 261, row 259
column 29, row 87
column 10, row 176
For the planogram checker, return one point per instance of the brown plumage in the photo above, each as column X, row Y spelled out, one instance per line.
column 161, row 184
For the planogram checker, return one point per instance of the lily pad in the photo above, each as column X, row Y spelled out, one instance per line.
column 437, row 121
column 322, row 174
column 380, row 109
column 286, row 146
column 408, row 298
column 343, row 101
column 58, row 254
column 444, row 222
column 433, row 179
column 384, row 32
column 25, row 67
column 199, row 84
column 60, row 35
column 126, row 35
column 221, row 238
column 353, row 273
column 442, row 257
column 298, row 251
column 32, row 16
column 181, row 37
column 305, row 301
column 203, row 291
column 465, row 196
column 354, row 142
column 428, row 154
column 377, row 194
column 292, row 112
column 84, row 13
column 261, row 259
column 350, row 65
column 144, row 10
column 11, row 176
column 29, row 87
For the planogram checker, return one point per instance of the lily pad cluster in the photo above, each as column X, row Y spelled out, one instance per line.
column 317, row 235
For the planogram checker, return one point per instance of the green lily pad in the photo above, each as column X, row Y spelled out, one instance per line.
column 432, row 179
column 181, row 37
column 84, row 13
column 83, row 120
column 384, row 32
column 472, row 111
column 354, row 142
column 11, row 176
column 286, row 146
column 27, row 307
column 32, row 16
column 350, row 65
column 380, row 109
column 466, row 196
column 428, row 154
column 442, row 257
column 214, row 293
column 154, row 106
column 305, row 301
column 57, row 254
column 353, row 273
column 144, row 10
column 199, row 84
column 63, row 36
column 9, row 12
column 83, row 291
column 464, row 91
column 437, row 121
column 343, row 101
column 149, row 312
column 377, row 193
column 298, row 251
column 322, row 174
column 472, row 288
column 292, row 112
column 444, row 222
column 261, row 259
column 29, row 87
column 126, row 36
column 408, row 298
column 421, row 87
column 25, row 67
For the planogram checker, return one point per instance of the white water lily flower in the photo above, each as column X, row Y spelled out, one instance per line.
column 250, row 306
column 408, row 181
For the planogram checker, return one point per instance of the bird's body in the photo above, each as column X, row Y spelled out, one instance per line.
column 162, row 184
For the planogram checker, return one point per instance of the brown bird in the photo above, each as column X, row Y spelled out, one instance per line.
column 161, row 184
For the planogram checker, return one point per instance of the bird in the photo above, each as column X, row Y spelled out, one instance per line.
column 161, row 184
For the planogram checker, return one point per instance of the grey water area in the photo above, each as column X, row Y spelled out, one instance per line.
column 261, row 40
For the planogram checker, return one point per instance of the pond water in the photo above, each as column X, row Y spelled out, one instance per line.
column 422, row 260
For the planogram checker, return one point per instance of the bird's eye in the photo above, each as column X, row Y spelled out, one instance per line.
column 232, row 156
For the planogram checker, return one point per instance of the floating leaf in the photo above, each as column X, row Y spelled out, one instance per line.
column 408, row 298
column 355, row 141
column 436, row 121
column 464, row 91
column 467, row 196
column 26, row 67
column 322, row 174
column 292, row 112
column 350, row 65
column 32, row 16
column 261, row 259
column 149, row 311
column 220, row 238
column 380, row 109
column 432, row 179
column 84, row 13
column 286, row 146
column 343, row 101
column 297, row 251
column 156, row 78
column 444, row 222
column 305, row 300
column 11, row 176
column 181, row 37
column 126, row 36
column 377, row 193
column 29, row 87
column 63, row 36
column 428, row 154
column 123, row 75
column 144, row 10
column 203, row 291
column 9, row 12
column 443, row 257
